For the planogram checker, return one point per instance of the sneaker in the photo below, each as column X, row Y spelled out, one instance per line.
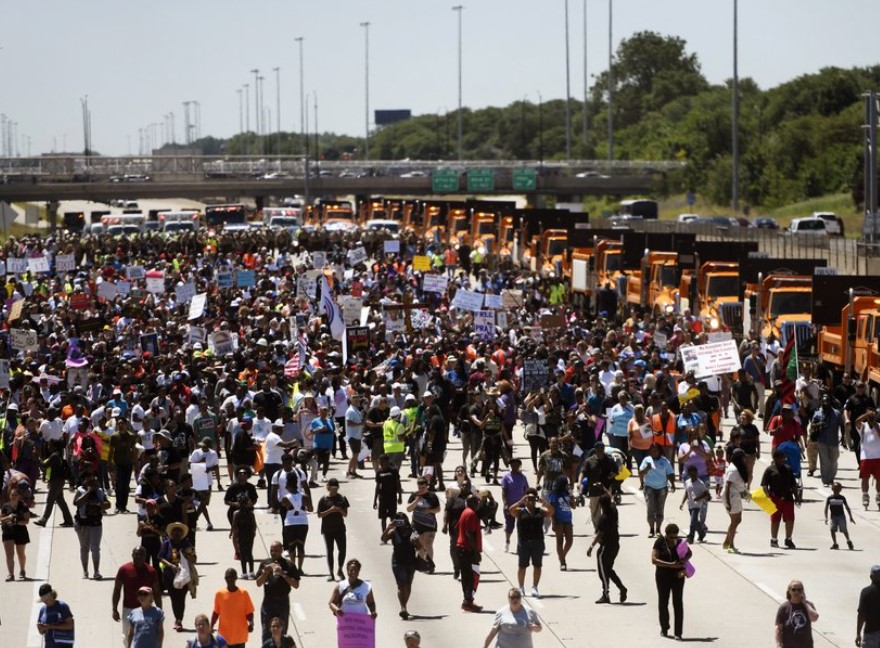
column 470, row 606
column 603, row 599
column 506, row 547
column 623, row 593
column 40, row 523
column 66, row 524
column 98, row 576
column 789, row 544
column 522, row 591
column 534, row 593
column 774, row 543
column 849, row 544
column 85, row 575
column 834, row 546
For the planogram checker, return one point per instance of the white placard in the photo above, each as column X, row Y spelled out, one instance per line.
column 4, row 374
column 394, row 321
column 319, row 259
column 307, row 287
column 196, row 334
column 714, row 359
column 23, row 339
column 501, row 319
column 421, row 319
column 484, row 324
column 468, row 300
column 200, row 479
column 719, row 336
column 357, row 255
column 222, row 343
column 133, row 273
column 392, row 246
column 494, row 301
column 123, row 287
column 156, row 283
column 16, row 265
column 185, row 292
column 107, row 290
column 197, row 306
column 65, row 263
column 38, row 264
column 660, row 340
column 352, row 308
column 435, row 283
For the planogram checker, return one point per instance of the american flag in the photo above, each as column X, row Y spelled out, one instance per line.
column 293, row 366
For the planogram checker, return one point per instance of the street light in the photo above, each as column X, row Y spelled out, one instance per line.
column 459, row 9
column 256, row 74
column 277, row 71
column 586, row 82
column 366, row 27
column 610, row 84
column 567, row 91
column 734, row 189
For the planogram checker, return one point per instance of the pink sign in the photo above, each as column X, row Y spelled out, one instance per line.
column 355, row 631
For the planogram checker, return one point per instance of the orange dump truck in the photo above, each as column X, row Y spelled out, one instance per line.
column 656, row 284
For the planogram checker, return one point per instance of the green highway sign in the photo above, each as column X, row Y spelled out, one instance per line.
column 444, row 181
column 481, row 180
column 525, row 180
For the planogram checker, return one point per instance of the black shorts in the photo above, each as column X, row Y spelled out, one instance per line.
column 387, row 509
column 295, row 534
column 16, row 534
column 404, row 574
column 530, row 551
column 355, row 446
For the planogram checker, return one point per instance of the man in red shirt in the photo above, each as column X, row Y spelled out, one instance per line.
column 129, row 579
column 469, row 547
column 786, row 427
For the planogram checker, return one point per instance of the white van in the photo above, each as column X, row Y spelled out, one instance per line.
column 832, row 222
column 179, row 221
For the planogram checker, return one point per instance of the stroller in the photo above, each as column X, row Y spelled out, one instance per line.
column 793, row 458
column 619, row 458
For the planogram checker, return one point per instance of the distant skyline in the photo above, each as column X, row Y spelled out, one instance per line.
column 138, row 62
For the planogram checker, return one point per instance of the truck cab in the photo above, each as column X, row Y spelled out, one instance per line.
column 656, row 284
column 484, row 230
column 714, row 283
column 546, row 252
column 458, row 225
column 780, row 299
column 432, row 224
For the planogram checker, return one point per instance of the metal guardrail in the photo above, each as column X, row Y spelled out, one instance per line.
column 50, row 166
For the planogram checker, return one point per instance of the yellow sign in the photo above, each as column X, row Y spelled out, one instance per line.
column 422, row 263
column 760, row 498
column 623, row 474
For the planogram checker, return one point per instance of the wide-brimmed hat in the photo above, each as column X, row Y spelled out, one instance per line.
column 177, row 525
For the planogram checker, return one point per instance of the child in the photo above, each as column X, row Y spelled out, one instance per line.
column 697, row 496
column 837, row 505
column 388, row 493
column 717, row 469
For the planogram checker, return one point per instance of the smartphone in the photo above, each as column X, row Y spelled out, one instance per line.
column 398, row 523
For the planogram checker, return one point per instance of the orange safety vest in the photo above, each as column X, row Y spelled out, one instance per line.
column 664, row 437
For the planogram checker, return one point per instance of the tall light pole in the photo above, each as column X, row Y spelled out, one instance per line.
column 459, row 9
column 734, row 188
column 302, row 120
column 257, row 110
column 567, row 91
column 366, row 27
column 240, row 93
column 610, row 82
column 277, row 71
column 586, row 83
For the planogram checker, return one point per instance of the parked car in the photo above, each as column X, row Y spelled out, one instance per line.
column 765, row 222
column 687, row 218
column 832, row 221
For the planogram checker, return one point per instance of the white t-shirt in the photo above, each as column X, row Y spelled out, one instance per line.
column 208, row 457
column 146, row 437
column 52, row 430
column 296, row 515
column 870, row 441
column 271, row 450
column 262, row 428
column 137, row 418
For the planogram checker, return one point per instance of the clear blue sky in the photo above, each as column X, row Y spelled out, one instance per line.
column 138, row 61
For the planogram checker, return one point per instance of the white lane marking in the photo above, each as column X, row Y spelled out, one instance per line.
column 488, row 546
column 770, row 592
column 299, row 612
column 40, row 576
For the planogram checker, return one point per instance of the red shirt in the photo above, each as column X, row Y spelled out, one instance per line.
column 785, row 430
column 469, row 522
column 132, row 580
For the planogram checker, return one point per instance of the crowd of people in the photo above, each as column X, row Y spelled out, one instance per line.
column 150, row 374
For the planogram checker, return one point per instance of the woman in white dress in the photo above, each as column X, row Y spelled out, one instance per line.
column 735, row 478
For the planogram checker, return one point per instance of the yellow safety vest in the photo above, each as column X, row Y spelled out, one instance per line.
column 392, row 431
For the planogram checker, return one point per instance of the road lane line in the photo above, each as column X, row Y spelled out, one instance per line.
column 40, row 576
column 770, row 592
column 299, row 611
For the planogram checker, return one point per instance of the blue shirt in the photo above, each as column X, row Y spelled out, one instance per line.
column 53, row 615
column 146, row 624
column 684, row 422
column 620, row 416
column 323, row 431
column 658, row 473
column 561, row 507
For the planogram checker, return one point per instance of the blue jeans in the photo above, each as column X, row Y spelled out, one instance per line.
column 698, row 522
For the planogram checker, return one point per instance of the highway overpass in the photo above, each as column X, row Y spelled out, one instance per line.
column 54, row 178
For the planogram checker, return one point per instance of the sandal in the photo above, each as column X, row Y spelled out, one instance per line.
column 10, row 578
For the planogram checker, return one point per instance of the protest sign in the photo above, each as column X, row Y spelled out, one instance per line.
column 245, row 278
column 23, row 339
column 357, row 338
column 197, row 306
column 468, row 300
column 15, row 311
column 511, row 299
column 484, row 324
column 713, row 359
column 391, row 246
column 16, row 265
column 196, row 334
column 150, row 343
column 222, row 343
column 123, row 287
column 421, row 263
column 535, row 375
column 421, row 319
column 319, row 259
column 107, row 290
column 65, row 263
column 38, row 264
column 184, row 293
column 355, row 631
column 156, row 282
column 352, row 310
column 77, row 376
column 4, row 374
column 435, row 283
column 133, row 273
column 494, row 301
column 225, row 279
column 357, row 255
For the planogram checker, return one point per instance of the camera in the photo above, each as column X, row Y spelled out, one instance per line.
column 398, row 523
